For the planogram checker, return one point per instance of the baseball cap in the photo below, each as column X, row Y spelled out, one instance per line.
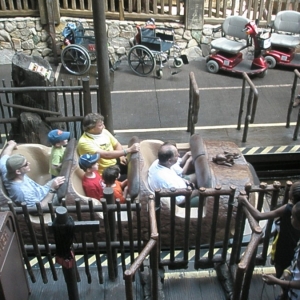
column 87, row 160
column 14, row 163
column 56, row 136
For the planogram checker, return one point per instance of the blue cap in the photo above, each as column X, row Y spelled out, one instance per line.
column 56, row 136
column 87, row 160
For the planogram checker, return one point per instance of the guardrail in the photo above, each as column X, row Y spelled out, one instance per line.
column 194, row 104
column 72, row 104
column 214, row 11
column 240, row 268
column 290, row 108
column 150, row 249
column 251, row 105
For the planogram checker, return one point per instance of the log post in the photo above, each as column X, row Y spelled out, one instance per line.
column 30, row 71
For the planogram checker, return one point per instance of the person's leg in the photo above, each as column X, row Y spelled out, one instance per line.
column 195, row 201
column 195, row 198
column 123, row 171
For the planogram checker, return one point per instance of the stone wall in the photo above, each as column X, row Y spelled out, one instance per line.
column 29, row 36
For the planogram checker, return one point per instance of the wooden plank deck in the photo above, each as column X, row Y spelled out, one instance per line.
column 202, row 285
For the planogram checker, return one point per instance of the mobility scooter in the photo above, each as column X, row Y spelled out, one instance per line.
column 238, row 34
column 284, row 40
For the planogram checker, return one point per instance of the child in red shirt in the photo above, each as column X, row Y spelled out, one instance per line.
column 91, row 181
column 110, row 176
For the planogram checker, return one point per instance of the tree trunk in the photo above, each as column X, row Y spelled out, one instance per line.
column 33, row 71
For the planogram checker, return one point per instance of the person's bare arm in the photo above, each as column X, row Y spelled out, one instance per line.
column 124, row 183
column 118, row 153
column 56, row 183
column 125, row 192
column 185, row 157
column 261, row 215
column 9, row 147
column 118, row 147
column 286, row 284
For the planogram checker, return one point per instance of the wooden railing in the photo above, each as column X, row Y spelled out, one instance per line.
column 149, row 249
column 238, row 271
column 214, row 11
column 32, row 228
column 73, row 101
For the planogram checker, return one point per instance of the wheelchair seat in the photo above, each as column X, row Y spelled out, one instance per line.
column 286, row 28
column 156, row 41
column 232, row 27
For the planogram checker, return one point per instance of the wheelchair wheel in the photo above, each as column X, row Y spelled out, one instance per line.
column 76, row 59
column 141, row 60
column 159, row 74
column 178, row 62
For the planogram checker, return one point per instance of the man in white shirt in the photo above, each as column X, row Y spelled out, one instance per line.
column 161, row 175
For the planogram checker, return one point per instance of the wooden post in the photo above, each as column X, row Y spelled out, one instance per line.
column 51, row 28
column 194, row 14
column 63, row 227
column 55, row 12
column 121, row 10
column 104, row 97
column 87, row 102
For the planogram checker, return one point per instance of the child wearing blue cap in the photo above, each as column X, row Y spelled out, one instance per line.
column 58, row 139
column 92, row 180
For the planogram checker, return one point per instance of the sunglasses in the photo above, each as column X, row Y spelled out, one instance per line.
column 25, row 165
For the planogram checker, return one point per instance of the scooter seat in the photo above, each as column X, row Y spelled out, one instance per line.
column 285, row 40
column 230, row 46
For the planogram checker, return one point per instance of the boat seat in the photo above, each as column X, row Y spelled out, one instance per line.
column 74, row 189
column 234, row 38
column 286, row 27
column 149, row 150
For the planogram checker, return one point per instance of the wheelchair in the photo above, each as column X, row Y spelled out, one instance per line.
column 79, row 52
column 154, row 46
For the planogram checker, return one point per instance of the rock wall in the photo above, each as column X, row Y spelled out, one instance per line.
column 29, row 36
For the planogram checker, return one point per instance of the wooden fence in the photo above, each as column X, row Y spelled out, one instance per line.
column 73, row 101
column 213, row 11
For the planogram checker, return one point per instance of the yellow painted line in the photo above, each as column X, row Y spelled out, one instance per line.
column 294, row 149
column 211, row 273
column 280, row 149
column 128, row 260
column 33, row 261
column 191, row 254
column 217, row 127
column 191, row 274
column 47, row 264
column 267, row 150
column 252, row 150
column 92, row 259
column 175, row 254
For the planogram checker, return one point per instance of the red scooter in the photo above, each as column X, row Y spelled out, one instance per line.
column 228, row 55
column 284, row 40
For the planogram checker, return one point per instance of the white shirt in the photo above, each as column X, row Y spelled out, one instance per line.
column 160, row 177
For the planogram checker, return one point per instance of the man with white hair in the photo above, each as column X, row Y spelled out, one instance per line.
column 19, row 186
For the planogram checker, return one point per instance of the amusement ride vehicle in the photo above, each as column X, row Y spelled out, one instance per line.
column 285, row 31
column 228, row 54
